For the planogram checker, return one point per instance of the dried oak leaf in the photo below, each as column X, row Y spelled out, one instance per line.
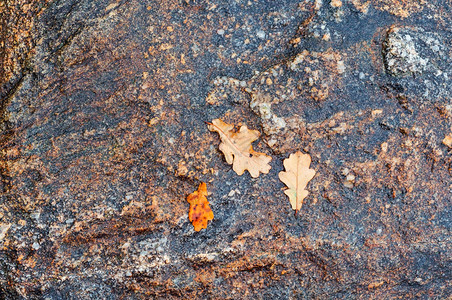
column 200, row 212
column 237, row 149
column 296, row 177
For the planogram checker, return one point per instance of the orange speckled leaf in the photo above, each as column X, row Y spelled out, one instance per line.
column 200, row 212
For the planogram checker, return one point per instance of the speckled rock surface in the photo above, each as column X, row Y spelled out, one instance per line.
column 103, row 136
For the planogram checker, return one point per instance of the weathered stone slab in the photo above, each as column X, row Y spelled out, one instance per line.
column 103, row 135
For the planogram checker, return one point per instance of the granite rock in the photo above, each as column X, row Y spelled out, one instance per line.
column 103, row 136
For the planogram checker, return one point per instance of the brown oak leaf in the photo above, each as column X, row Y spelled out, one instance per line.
column 237, row 149
column 296, row 177
column 200, row 212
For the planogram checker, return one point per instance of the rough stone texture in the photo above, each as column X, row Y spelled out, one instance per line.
column 103, row 105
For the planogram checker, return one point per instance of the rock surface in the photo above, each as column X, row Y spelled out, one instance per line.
column 103, row 105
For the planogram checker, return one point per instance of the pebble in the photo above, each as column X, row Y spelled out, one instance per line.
column 336, row 3
column 448, row 141
column 341, row 67
column 260, row 34
column 36, row 246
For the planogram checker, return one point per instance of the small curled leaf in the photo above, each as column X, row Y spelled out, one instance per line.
column 238, row 151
